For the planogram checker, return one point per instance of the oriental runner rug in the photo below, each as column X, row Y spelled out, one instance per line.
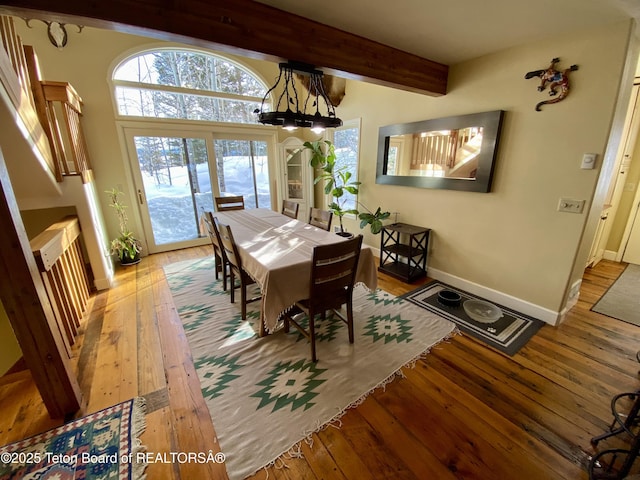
column 265, row 395
column 103, row 445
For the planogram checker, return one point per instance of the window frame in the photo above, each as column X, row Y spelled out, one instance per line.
column 151, row 87
column 353, row 124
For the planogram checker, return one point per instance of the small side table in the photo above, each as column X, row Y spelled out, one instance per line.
column 403, row 251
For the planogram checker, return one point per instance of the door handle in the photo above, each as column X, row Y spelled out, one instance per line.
column 140, row 197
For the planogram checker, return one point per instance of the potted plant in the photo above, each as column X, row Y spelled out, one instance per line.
column 126, row 247
column 374, row 219
column 338, row 181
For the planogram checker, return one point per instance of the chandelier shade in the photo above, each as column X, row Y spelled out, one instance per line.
column 295, row 110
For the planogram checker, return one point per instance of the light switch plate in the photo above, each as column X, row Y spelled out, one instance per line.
column 570, row 205
column 588, row 161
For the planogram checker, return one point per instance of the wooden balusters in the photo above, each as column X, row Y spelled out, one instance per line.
column 13, row 46
column 59, row 257
column 57, row 104
column 63, row 101
column 445, row 149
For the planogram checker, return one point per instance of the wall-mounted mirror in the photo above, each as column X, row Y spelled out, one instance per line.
column 456, row 153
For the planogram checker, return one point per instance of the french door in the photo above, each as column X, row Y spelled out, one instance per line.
column 242, row 168
column 178, row 173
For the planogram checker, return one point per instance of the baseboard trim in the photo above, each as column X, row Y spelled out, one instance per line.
column 102, row 283
column 536, row 311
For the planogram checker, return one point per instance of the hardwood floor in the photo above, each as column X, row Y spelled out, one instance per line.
column 466, row 411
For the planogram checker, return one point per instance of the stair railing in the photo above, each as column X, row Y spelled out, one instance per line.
column 58, row 254
column 57, row 104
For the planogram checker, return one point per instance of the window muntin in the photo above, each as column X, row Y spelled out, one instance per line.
column 182, row 84
column 141, row 102
column 346, row 140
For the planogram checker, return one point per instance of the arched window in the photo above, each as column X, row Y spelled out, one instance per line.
column 186, row 84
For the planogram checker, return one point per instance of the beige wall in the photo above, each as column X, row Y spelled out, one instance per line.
column 86, row 62
column 35, row 221
column 10, row 351
column 511, row 241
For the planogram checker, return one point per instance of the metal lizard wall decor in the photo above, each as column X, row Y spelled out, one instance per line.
column 554, row 79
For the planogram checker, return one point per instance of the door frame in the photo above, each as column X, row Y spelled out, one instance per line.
column 632, row 221
column 629, row 152
column 258, row 136
column 306, row 172
column 127, row 129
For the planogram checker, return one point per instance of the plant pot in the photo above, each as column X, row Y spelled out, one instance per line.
column 345, row 234
column 127, row 260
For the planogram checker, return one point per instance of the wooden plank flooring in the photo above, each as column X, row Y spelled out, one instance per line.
column 465, row 411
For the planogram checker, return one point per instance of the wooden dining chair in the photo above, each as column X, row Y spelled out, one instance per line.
column 224, row 204
column 230, row 251
column 320, row 218
column 290, row 209
column 218, row 255
column 333, row 273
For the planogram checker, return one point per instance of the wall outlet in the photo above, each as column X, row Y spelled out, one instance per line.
column 575, row 290
column 570, row 206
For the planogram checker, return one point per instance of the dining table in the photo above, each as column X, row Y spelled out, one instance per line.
column 277, row 252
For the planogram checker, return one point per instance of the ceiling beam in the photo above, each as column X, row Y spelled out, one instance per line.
column 250, row 29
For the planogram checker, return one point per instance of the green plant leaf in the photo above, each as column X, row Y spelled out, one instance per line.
column 374, row 220
column 376, row 226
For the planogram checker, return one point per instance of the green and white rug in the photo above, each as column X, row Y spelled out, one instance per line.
column 265, row 395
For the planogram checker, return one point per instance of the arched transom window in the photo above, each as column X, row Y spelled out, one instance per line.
column 185, row 84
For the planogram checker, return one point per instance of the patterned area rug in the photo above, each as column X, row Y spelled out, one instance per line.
column 622, row 300
column 264, row 394
column 508, row 334
column 103, row 445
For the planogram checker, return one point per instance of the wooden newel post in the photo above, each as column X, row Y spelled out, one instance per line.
column 24, row 298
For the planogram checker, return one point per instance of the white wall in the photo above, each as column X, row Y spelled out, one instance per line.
column 511, row 244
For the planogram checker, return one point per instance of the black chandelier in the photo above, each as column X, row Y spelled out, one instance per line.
column 296, row 114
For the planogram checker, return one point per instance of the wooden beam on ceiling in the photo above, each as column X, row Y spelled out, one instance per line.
column 250, row 29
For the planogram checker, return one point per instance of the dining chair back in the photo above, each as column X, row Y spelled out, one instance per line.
column 218, row 255
column 320, row 218
column 224, row 204
column 232, row 256
column 290, row 209
column 333, row 274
